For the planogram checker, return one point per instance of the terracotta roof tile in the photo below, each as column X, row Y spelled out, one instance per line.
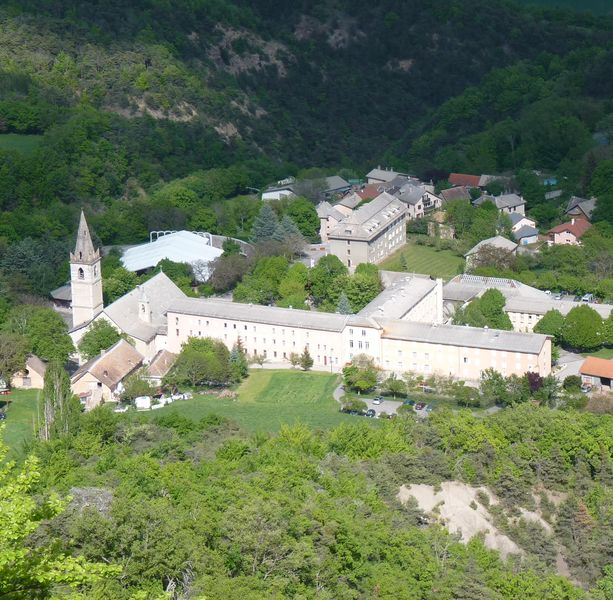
column 464, row 179
column 578, row 228
column 598, row 367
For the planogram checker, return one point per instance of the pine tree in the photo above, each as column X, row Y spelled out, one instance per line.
column 265, row 224
column 238, row 361
column 306, row 361
column 343, row 307
column 286, row 230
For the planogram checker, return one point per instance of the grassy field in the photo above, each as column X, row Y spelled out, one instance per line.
column 602, row 353
column 15, row 142
column 21, row 414
column 424, row 259
column 268, row 399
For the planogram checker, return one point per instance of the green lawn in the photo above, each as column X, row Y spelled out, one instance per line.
column 268, row 399
column 602, row 353
column 425, row 259
column 19, row 143
column 21, row 412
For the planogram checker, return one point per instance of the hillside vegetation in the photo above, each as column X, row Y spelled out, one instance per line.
column 203, row 509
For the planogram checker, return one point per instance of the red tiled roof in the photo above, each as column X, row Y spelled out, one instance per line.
column 370, row 191
column 464, row 179
column 597, row 367
column 578, row 228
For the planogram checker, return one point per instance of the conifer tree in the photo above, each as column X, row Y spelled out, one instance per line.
column 306, row 361
column 343, row 307
column 265, row 224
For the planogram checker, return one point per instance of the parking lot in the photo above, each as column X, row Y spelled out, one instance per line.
column 387, row 406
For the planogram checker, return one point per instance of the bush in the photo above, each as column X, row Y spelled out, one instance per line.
column 572, row 382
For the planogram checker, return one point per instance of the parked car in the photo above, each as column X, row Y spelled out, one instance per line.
column 409, row 402
column 586, row 388
column 420, row 406
column 558, row 297
column 587, row 298
column 370, row 413
column 377, row 400
column 428, row 408
column 2, row 416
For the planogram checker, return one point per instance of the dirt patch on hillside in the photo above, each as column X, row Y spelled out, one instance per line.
column 455, row 505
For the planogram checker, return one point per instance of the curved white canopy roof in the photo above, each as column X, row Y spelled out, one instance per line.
column 182, row 246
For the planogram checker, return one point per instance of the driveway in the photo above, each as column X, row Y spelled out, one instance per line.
column 569, row 364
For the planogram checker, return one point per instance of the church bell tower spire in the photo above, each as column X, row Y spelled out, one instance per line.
column 85, row 277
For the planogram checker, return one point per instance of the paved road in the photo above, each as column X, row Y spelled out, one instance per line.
column 569, row 364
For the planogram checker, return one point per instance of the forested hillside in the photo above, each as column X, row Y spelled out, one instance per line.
column 156, row 115
column 204, row 510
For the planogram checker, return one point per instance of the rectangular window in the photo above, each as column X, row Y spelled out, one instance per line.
column 176, row 320
column 351, row 343
column 234, row 325
column 363, row 332
column 348, row 262
column 245, row 327
column 274, row 354
column 177, row 333
column 200, row 334
column 366, row 345
column 465, row 360
column 351, row 332
column 207, row 323
column 360, row 344
column 285, row 355
column 225, row 325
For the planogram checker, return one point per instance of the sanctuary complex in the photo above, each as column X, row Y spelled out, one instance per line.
column 403, row 329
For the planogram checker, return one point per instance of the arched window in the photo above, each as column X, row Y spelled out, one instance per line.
column 81, row 273
column 80, row 255
column 95, row 270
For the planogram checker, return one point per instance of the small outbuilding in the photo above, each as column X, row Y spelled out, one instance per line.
column 33, row 375
column 597, row 372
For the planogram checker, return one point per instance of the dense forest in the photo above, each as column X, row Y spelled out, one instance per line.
column 205, row 510
column 103, row 104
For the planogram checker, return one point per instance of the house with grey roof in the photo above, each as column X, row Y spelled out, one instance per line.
column 384, row 175
column 335, row 186
column 505, row 203
column 455, row 193
column 526, row 235
column 581, row 207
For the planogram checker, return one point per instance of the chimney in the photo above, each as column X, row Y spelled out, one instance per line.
column 572, row 221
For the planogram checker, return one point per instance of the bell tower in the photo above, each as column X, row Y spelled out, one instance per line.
column 85, row 277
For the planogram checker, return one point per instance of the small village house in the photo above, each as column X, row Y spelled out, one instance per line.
column 100, row 379
column 32, row 376
column 568, row 233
